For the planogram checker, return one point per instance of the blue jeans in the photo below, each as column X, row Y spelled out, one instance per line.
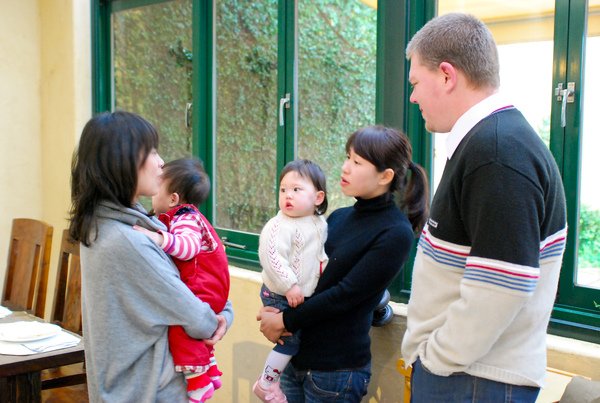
column 462, row 387
column 291, row 344
column 343, row 386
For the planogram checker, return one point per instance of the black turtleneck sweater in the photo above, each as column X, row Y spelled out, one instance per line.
column 367, row 245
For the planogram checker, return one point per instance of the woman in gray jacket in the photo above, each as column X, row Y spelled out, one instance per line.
column 131, row 290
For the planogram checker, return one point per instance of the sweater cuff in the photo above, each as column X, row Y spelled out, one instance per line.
column 288, row 316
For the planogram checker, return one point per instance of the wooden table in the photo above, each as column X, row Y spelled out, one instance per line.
column 20, row 374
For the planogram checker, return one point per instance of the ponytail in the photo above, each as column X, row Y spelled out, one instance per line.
column 415, row 202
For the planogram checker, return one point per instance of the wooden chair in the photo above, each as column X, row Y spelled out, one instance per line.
column 406, row 373
column 26, row 280
column 66, row 312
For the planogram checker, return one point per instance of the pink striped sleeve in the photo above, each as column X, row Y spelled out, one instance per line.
column 184, row 240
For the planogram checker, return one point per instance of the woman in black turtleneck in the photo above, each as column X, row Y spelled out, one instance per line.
column 367, row 244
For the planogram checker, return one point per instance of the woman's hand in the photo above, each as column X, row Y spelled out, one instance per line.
column 271, row 324
column 219, row 333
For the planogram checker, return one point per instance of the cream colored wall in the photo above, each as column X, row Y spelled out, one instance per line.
column 45, row 98
column 65, row 91
column 20, row 117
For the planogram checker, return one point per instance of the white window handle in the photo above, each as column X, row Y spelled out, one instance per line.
column 564, row 96
column 283, row 102
column 188, row 108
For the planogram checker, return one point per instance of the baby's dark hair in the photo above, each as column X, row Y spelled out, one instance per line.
column 187, row 177
column 309, row 170
column 386, row 148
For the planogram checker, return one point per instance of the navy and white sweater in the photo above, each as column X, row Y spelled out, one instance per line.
column 488, row 262
column 367, row 245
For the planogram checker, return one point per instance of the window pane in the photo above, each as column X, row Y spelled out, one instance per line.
column 522, row 31
column 337, row 42
column 152, row 69
column 246, row 130
column 588, row 272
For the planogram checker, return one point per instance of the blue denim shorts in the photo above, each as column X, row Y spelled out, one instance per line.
column 291, row 344
column 461, row 387
column 341, row 386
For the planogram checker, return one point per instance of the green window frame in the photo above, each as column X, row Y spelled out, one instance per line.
column 574, row 314
column 397, row 21
column 389, row 109
column 390, row 89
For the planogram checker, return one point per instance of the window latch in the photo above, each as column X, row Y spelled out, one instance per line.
column 565, row 96
column 231, row 244
column 283, row 102
column 188, row 109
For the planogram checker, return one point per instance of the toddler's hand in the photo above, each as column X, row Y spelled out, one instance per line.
column 156, row 237
column 294, row 296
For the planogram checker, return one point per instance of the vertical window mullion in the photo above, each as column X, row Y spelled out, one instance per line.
column 287, row 81
column 203, row 104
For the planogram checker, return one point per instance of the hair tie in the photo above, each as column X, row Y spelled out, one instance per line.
column 411, row 166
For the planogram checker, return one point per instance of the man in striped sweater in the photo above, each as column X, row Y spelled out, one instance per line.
column 488, row 261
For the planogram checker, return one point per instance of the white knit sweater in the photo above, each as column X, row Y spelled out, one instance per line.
column 292, row 251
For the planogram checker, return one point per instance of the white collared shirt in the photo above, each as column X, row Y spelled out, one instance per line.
column 470, row 118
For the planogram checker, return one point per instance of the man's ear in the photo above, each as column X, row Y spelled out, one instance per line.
column 386, row 177
column 450, row 74
column 320, row 198
column 173, row 199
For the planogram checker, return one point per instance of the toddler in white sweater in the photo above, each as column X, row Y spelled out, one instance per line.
column 292, row 254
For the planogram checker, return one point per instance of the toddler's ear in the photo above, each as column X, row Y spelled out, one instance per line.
column 173, row 199
column 320, row 198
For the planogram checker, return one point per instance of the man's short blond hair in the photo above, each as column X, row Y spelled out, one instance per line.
column 461, row 40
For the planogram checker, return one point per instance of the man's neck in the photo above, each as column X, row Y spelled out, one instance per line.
column 471, row 97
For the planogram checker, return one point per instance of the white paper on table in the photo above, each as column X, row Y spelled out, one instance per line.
column 60, row 340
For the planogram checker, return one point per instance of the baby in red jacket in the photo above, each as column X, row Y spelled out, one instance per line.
column 198, row 253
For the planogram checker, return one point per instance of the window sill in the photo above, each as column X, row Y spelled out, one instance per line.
column 566, row 354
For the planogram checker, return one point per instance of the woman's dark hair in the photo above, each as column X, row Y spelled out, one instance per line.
column 309, row 170
column 386, row 148
column 187, row 177
column 112, row 148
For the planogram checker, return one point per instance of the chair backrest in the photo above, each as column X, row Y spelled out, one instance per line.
column 67, row 298
column 26, row 280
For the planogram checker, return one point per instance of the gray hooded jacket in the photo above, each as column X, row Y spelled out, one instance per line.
column 131, row 294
